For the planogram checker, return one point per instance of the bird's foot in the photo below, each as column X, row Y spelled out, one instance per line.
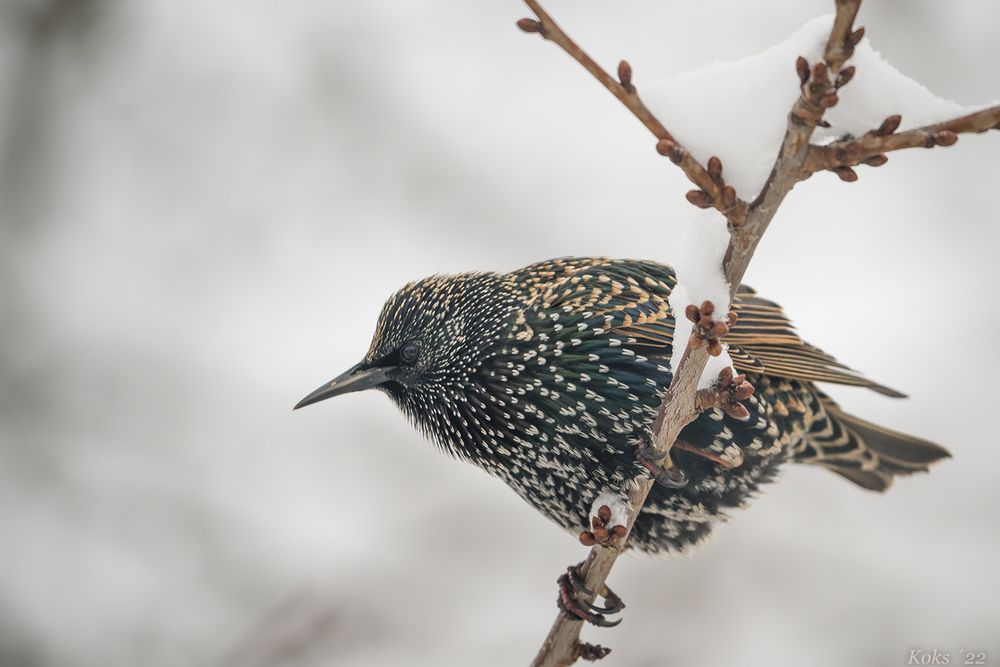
column 571, row 588
column 661, row 467
column 729, row 390
column 601, row 531
column 708, row 332
column 592, row 652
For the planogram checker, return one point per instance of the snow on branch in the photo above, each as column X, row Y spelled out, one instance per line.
column 808, row 131
column 698, row 106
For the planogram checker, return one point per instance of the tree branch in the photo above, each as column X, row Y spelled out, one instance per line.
column 713, row 191
column 797, row 159
column 562, row 646
column 871, row 148
column 843, row 38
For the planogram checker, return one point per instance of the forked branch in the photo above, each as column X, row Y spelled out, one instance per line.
column 797, row 159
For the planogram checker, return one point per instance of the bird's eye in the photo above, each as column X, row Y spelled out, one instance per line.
column 409, row 353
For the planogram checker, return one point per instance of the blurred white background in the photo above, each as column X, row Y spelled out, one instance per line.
column 203, row 206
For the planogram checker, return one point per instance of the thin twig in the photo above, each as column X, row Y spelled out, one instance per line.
column 709, row 181
column 871, row 148
column 843, row 38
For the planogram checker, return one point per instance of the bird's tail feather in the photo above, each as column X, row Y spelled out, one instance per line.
column 864, row 453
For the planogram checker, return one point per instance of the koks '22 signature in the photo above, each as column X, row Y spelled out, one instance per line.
column 934, row 656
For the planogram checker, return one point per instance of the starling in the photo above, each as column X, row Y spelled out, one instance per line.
column 550, row 377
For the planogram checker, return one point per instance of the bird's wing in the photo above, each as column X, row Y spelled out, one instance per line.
column 631, row 296
column 764, row 340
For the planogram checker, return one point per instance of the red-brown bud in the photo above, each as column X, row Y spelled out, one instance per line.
column 945, row 138
column 670, row 149
column 728, row 196
column 604, row 513
column 844, row 77
column 846, row 174
column 715, row 169
column 889, row 125
column 529, row 25
column 737, row 411
column 699, row 198
column 625, row 75
column 743, row 391
column 802, row 69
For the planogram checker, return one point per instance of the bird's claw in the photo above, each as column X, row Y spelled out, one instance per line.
column 649, row 453
column 571, row 586
column 669, row 476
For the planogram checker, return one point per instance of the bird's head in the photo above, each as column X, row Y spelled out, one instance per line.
column 431, row 336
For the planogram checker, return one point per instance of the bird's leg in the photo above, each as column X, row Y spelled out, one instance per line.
column 571, row 587
column 714, row 458
column 574, row 596
column 660, row 466
column 726, row 395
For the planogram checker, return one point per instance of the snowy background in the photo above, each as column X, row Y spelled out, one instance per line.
column 203, row 206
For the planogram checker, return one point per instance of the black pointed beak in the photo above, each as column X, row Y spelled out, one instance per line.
column 356, row 378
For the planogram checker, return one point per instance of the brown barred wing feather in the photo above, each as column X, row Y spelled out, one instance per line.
column 764, row 340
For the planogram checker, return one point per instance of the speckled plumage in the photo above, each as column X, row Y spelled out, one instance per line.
column 547, row 377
